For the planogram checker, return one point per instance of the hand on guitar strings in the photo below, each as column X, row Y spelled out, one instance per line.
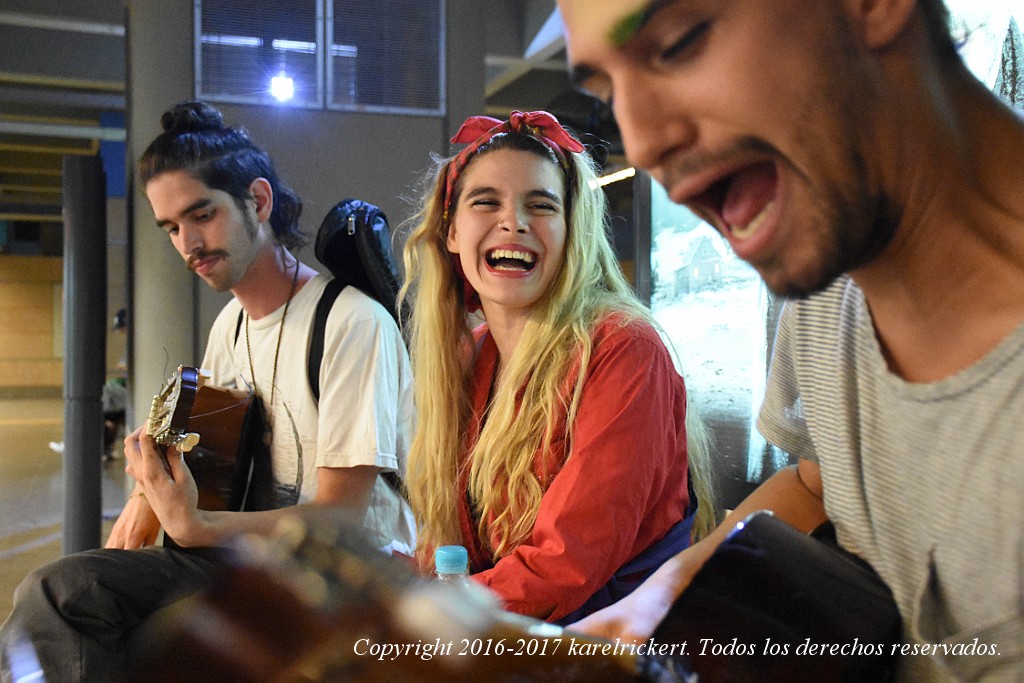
column 166, row 483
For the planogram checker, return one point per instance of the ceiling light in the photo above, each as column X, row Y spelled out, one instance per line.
column 282, row 87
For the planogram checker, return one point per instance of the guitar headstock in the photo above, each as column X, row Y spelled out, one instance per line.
column 171, row 408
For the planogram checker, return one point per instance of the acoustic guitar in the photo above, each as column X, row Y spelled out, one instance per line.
column 315, row 603
column 221, row 433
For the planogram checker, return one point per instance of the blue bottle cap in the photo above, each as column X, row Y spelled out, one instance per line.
column 451, row 559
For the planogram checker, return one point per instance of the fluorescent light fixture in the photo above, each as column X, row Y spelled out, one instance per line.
column 233, row 41
column 282, row 87
column 616, row 177
column 293, row 46
column 344, row 51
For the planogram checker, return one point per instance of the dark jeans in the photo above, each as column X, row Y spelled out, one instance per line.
column 76, row 616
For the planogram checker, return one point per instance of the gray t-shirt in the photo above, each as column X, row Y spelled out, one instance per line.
column 924, row 481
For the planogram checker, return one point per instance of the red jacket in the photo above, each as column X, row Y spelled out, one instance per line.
column 622, row 489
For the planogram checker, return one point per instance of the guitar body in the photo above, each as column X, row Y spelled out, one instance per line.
column 220, row 432
column 312, row 602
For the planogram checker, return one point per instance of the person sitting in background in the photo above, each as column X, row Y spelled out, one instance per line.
column 552, row 440
column 115, row 394
column 113, row 399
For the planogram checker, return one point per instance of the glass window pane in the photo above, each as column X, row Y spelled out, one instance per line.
column 720, row 319
column 386, row 55
column 258, row 52
column 988, row 33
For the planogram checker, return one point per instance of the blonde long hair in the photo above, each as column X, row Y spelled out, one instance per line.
column 556, row 339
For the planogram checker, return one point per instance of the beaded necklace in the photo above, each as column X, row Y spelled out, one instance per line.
column 280, row 332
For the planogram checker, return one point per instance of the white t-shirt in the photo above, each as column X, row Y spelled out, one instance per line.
column 365, row 413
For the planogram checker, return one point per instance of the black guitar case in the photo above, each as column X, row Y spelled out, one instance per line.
column 354, row 242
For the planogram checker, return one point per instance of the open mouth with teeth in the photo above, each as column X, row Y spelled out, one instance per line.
column 741, row 200
column 511, row 260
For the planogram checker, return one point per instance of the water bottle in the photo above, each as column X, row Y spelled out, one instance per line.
column 451, row 563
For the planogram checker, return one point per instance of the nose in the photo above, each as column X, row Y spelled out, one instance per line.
column 652, row 119
column 189, row 240
column 515, row 221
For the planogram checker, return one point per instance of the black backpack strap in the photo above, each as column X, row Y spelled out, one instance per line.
column 316, row 336
column 238, row 325
column 316, row 355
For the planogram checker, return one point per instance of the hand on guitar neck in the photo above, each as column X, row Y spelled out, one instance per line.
column 167, row 485
column 202, row 449
column 138, row 525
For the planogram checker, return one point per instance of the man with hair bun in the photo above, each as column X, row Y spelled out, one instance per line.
column 234, row 223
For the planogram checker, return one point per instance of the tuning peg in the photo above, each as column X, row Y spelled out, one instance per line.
column 188, row 442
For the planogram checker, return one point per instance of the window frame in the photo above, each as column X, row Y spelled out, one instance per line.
column 325, row 77
column 328, row 27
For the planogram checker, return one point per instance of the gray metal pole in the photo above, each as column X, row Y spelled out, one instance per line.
column 85, row 343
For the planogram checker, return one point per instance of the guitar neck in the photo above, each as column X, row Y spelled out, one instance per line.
column 171, row 408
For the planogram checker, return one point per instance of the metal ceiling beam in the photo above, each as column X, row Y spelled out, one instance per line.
column 61, row 82
column 31, row 217
column 55, row 130
column 548, row 43
column 6, row 188
column 21, row 94
column 26, row 170
column 93, row 148
column 550, row 39
column 53, row 23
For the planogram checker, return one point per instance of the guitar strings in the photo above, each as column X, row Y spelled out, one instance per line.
column 221, row 410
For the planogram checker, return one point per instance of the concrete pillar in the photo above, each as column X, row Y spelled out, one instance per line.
column 160, row 74
column 85, row 343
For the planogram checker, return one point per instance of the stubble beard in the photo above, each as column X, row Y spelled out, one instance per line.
column 849, row 236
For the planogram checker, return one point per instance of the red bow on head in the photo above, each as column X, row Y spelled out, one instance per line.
column 478, row 130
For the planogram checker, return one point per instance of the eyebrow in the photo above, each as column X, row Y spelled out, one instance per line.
column 620, row 33
column 631, row 24
column 198, row 204
column 477, row 191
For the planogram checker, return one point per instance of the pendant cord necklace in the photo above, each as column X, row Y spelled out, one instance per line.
column 277, row 349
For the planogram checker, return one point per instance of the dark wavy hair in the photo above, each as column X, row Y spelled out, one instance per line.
column 195, row 140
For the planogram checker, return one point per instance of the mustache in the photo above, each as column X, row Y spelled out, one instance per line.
column 696, row 161
column 197, row 256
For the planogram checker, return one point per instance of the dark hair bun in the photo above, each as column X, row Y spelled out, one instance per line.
column 191, row 117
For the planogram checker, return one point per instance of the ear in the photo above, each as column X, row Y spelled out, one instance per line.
column 452, row 242
column 263, row 196
column 881, row 21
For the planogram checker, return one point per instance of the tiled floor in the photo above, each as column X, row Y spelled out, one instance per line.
column 31, row 489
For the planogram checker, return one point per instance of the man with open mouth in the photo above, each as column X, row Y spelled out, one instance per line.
column 846, row 152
